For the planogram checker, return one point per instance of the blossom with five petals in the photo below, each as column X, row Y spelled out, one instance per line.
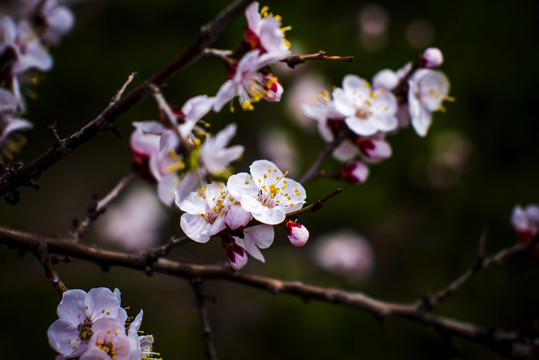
column 366, row 111
column 266, row 193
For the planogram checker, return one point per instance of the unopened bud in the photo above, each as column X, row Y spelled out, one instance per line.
column 433, row 57
column 297, row 233
column 374, row 150
column 355, row 172
column 237, row 257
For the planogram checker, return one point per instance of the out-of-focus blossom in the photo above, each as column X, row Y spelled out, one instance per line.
column 345, row 253
column 205, row 211
column 53, row 20
column 419, row 33
column 526, row 221
column 135, row 222
column 427, row 90
column 374, row 149
column 452, row 155
column 10, row 142
column 366, row 111
column 20, row 43
column 373, row 22
column 355, row 172
column 277, row 146
column 297, row 233
column 178, row 175
column 266, row 33
column 266, row 193
column 433, row 57
column 249, row 84
column 304, row 90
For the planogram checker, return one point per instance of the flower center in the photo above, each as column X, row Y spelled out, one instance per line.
column 85, row 330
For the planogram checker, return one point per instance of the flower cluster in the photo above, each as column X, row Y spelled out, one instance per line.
column 23, row 48
column 363, row 114
column 265, row 195
column 94, row 326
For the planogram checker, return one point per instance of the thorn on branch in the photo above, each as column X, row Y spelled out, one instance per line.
column 53, row 131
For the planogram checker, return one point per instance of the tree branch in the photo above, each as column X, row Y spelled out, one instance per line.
column 9, row 182
column 200, row 298
column 508, row 343
column 314, row 170
column 294, row 60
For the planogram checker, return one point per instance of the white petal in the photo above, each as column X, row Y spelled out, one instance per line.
column 72, row 305
column 195, row 227
column 101, row 303
column 360, row 126
column 261, row 235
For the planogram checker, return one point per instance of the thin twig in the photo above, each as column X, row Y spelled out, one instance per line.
column 208, row 33
column 100, row 206
column 46, row 260
column 200, row 299
column 432, row 301
column 314, row 170
column 294, row 60
column 506, row 342
column 314, row 206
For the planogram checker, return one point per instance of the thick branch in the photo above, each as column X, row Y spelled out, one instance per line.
column 506, row 342
column 9, row 182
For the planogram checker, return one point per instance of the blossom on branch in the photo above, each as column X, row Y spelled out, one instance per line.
column 428, row 88
column 266, row 193
column 205, row 211
column 93, row 326
column 366, row 111
column 526, row 221
column 10, row 142
column 251, row 81
column 265, row 32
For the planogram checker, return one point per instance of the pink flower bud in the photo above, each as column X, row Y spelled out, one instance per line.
column 297, row 233
column 374, row 150
column 237, row 257
column 355, row 172
column 433, row 57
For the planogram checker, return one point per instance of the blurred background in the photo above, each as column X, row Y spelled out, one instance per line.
column 414, row 224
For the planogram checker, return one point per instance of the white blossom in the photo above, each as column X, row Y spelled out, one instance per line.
column 366, row 111
column 428, row 88
column 266, row 193
column 205, row 211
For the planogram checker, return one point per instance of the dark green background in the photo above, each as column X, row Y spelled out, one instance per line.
column 423, row 235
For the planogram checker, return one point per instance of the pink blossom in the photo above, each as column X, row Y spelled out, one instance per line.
column 355, row 172
column 526, row 221
column 433, row 57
